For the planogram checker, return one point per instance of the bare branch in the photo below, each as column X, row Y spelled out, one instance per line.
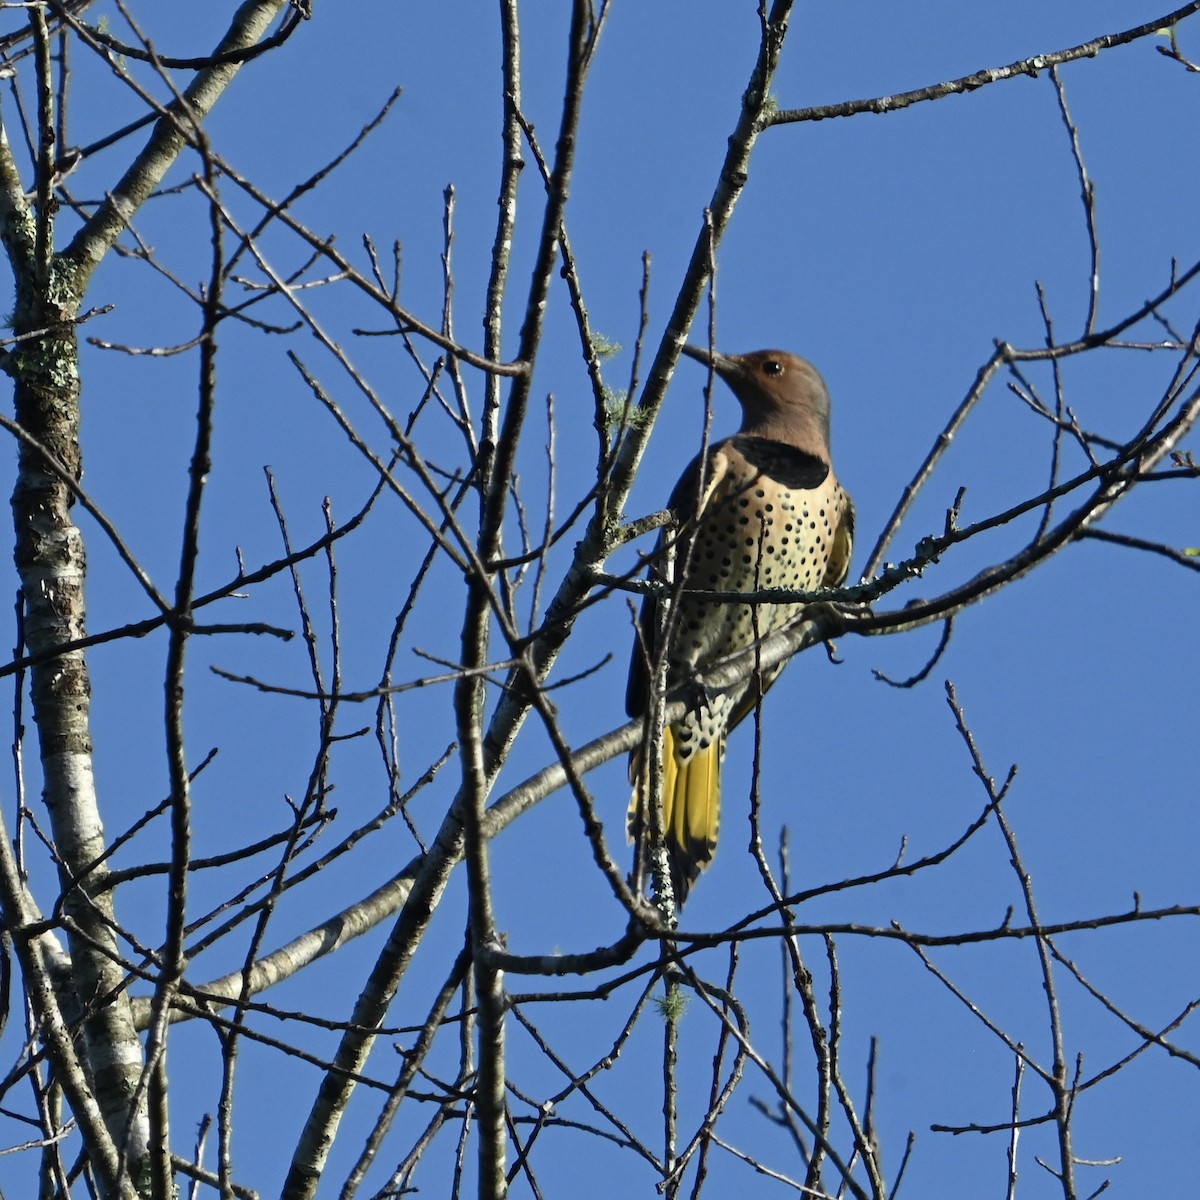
column 968, row 83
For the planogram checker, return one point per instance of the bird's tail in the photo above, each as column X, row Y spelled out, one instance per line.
column 691, row 808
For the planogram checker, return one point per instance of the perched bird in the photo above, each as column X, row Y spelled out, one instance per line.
column 763, row 511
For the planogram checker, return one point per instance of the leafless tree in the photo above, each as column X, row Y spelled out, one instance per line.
column 199, row 950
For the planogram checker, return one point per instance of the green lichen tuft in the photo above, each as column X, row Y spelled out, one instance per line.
column 604, row 348
column 672, row 1004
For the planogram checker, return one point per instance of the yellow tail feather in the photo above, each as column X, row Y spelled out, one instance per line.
column 691, row 810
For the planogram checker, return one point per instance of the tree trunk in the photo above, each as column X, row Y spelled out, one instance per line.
column 51, row 564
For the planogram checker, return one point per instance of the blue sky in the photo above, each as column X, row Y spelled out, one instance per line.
column 892, row 251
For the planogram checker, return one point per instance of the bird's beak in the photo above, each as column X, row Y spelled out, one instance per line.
column 725, row 365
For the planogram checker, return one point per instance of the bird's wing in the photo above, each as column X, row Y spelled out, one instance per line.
column 843, row 546
column 685, row 502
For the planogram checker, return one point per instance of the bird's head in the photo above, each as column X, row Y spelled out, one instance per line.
column 782, row 395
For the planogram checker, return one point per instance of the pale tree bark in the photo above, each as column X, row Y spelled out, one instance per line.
column 51, row 563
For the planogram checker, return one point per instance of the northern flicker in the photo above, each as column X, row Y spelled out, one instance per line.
column 766, row 511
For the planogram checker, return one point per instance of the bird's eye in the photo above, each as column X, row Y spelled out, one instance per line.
column 772, row 366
